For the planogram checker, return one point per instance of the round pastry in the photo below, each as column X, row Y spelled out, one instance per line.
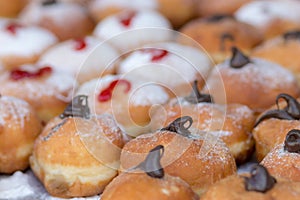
column 283, row 160
column 215, row 7
column 171, row 65
column 86, row 58
column 126, row 98
column 132, row 29
column 271, row 17
column 272, row 126
column 65, row 20
column 232, row 123
column 77, row 154
column 11, row 8
column 22, row 44
column 45, row 89
column 200, row 160
column 218, row 33
column 258, row 185
column 282, row 50
column 19, row 127
column 148, row 181
column 259, row 81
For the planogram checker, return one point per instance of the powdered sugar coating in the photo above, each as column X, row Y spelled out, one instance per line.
column 145, row 27
column 261, row 13
column 123, row 4
column 27, row 41
column 182, row 64
column 89, row 62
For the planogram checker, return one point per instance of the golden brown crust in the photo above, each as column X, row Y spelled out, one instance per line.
column 11, row 8
column 141, row 186
column 19, row 127
column 198, row 162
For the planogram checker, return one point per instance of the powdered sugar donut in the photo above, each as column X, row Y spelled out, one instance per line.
column 65, row 20
column 85, row 58
column 126, row 98
column 172, row 65
column 19, row 127
column 272, row 17
column 10, row 8
column 47, row 90
column 22, row 44
column 132, row 29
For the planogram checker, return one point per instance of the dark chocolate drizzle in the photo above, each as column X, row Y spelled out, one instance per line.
column 217, row 18
column 77, row 108
column 292, row 141
column 238, row 59
column 48, row 2
column 151, row 165
column 225, row 37
column 197, row 97
column 260, row 180
column 178, row 126
column 290, row 112
column 292, row 35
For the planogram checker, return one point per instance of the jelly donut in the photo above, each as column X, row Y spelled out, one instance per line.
column 272, row 126
column 22, row 44
column 65, row 20
column 45, row 89
column 85, row 58
column 200, row 160
column 283, row 160
column 77, row 154
column 132, row 29
column 19, row 127
column 259, row 81
column 11, row 8
column 148, row 181
column 218, row 33
column 259, row 184
column 232, row 123
column 126, row 98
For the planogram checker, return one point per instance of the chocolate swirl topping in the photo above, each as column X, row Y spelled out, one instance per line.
column 290, row 112
column 48, row 2
column 77, row 108
column 260, row 180
column 217, row 18
column 292, row 141
column 178, row 126
column 151, row 165
column 238, row 59
column 292, row 35
column 197, row 97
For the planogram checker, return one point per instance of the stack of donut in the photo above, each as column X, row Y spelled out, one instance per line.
column 152, row 99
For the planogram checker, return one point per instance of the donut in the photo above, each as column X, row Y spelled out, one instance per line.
column 271, row 17
column 85, row 58
column 272, row 126
column 200, row 160
column 259, row 81
column 19, row 127
column 282, row 161
column 22, row 44
column 282, row 50
column 259, row 184
column 65, row 19
column 218, row 33
column 171, row 65
column 132, row 29
column 126, row 98
column 148, row 181
column 45, row 89
column 232, row 123
column 11, row 8
column 77, row 153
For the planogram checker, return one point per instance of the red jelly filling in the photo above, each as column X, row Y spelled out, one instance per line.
column 157, row 54
column 80, row 44
column 106, row 94
column 18, row 74
column 126, row 19
column 12, row 28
